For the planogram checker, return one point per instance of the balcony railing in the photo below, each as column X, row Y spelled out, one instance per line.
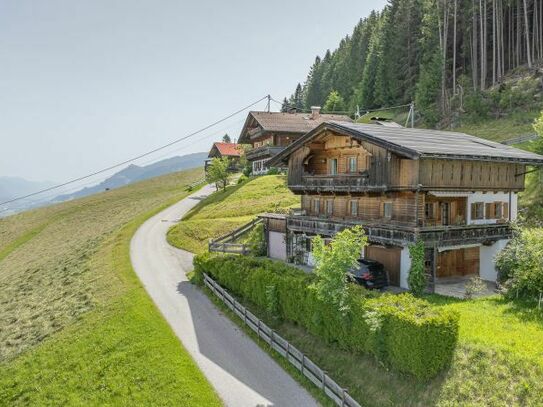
column 337, row 183
column 401, row 234
column 263, row 152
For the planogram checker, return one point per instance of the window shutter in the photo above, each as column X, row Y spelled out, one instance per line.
column 473, row 211
column 505, row 213
column 488, row 207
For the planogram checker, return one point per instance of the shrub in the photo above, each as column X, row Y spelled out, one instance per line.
column 273, row 171
column 407, row 333
column 256, row 241
column 474, row 286
column 417, row 275
column 520, row 264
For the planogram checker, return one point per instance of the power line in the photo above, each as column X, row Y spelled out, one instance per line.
column 133, row 158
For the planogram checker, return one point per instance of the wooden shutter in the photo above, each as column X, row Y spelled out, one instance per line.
column 505, row 210
column 473, row 211
column 488, row 210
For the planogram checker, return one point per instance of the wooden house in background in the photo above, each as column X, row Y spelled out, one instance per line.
column 270, row 132
column 232, row 151
column 457, row 193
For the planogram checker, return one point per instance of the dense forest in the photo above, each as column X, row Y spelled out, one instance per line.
column 448, row 56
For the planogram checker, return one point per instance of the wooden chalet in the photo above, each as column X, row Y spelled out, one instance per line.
column 455, row 192
column 232, row 151
column 270, row 132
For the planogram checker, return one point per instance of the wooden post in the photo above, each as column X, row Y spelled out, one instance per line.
column 343, row 397
column 245, row 315
column 303, row 363
column 258, row 328
column 323, row 380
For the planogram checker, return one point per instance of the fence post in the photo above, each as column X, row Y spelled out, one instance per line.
column 343, row 397
column 288, row 350
column 271, row 338
column 258, row 328
column 245, row 315
column 303, row 362
column 323, row 380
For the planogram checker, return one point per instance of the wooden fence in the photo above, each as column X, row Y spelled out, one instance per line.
column 309, row 369
column 224, row 243
column 190, row 187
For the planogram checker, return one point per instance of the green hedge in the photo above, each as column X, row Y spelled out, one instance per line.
column 406, row 332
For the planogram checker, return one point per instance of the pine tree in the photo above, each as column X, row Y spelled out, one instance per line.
column 226, row 138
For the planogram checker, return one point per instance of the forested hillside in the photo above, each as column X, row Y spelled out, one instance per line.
column 455, row 59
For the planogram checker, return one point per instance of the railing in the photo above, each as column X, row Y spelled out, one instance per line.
column 224, row 243
column 401, row 234
column 337, row 183
column 520, row 139
column 306, row 366
column 263, row 151
column 190, row 187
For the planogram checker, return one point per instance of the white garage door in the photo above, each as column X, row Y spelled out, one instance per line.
column 278, row 246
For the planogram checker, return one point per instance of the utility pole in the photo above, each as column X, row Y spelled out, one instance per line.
column 357, row 113
column 411, row 115
column 268, row 104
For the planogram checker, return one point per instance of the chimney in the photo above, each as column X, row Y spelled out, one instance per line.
column 315, row 112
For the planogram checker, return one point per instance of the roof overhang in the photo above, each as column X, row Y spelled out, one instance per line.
column 344, row 131
column 402, row 151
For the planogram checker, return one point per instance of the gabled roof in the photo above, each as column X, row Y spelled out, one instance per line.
column 279, row 122
column 421, row 143
column 227, row 149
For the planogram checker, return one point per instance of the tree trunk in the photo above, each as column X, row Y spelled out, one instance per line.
column 454, row 51
column 494, row 42
column 528, row 50
column 474, row 42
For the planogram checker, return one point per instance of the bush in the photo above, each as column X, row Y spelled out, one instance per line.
column 256, row 241
column 401, row 330
column 417, row 274
column 520, row 264
column 273, row 171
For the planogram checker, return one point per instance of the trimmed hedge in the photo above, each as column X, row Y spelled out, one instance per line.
column 405, row 332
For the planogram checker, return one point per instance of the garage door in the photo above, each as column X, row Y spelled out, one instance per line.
column 390, row 258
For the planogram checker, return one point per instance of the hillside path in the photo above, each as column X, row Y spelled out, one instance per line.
column 241, row 372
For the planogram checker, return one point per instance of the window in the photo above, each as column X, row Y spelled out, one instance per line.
column 333, row 166
column 387, row 210
column 353, row 208
column 330, row 207
column 477, row 210
column 351, row 165
column 316, row 206
column 429, row 211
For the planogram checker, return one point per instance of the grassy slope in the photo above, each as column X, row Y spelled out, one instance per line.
column 225, row 211
column 76, row 327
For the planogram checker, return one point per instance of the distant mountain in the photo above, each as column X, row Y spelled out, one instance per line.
column 134, row 173
column 11, row 187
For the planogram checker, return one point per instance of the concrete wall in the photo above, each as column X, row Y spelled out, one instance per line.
column 488, row 198
column 405, row 265
column 487, row 269
column 277, row 245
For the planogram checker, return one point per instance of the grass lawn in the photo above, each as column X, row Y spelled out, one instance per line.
column 497, row 362
column 76, row 326
column 227, row 210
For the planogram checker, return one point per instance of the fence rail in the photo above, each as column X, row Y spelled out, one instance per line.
column 520, row 139
column 224, row 243
column 190, row 187
column 306, row 366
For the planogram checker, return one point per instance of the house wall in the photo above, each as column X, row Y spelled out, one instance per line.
column 464, row 174
column 370, row 207
column 490, row 197
column 487, row 270
column 405, row 265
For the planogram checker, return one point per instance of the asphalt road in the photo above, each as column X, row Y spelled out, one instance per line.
column 241, row 373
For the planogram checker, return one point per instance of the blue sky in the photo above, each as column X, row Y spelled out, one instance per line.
column 86, row 84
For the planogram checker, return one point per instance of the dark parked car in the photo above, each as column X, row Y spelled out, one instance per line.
column 369, row 273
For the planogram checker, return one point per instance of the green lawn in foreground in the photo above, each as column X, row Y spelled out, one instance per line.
column 227, row 210
column 76, row 326
column 497, row 361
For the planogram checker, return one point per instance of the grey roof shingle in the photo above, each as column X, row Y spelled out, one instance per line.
column 427, row 143
column 280, row 122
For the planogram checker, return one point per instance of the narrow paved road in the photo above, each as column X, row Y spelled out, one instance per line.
column 241, row 373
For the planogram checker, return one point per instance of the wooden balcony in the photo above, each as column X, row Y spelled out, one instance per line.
column 263, row 152
column 345, row 183
column 400, row 234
